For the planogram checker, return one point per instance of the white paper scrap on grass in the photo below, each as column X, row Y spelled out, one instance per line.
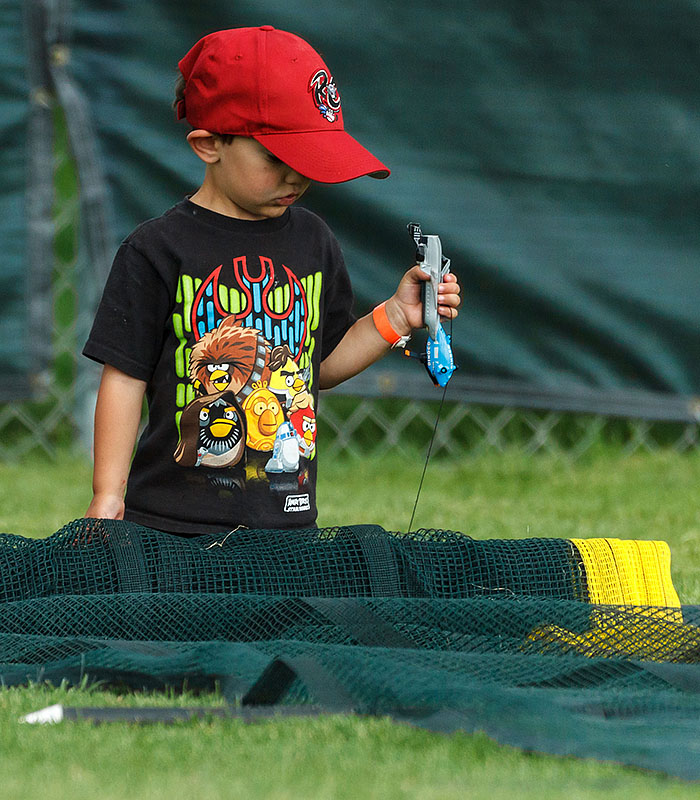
column 44, row 716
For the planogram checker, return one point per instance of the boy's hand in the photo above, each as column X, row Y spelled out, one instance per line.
column 362, row 344
column 106, row 506
column 405, row 308
column 117, row 417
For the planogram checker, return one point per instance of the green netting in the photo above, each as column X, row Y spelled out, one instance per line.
column 104, row 557
column 432, row 628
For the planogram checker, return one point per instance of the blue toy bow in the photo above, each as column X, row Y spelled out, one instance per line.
column 438, row 358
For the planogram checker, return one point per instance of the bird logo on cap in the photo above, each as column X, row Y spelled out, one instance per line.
column 326, row 95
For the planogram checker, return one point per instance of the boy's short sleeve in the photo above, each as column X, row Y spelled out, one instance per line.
column 130, row 322
column 338, row 306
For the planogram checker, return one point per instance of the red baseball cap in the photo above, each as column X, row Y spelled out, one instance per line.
column 274, row 87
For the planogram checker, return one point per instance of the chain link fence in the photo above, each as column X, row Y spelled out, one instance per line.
column 358, row 426
column 350, row 425
column 48, row 422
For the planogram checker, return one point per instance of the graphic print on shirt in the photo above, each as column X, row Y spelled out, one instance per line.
column 244, row 370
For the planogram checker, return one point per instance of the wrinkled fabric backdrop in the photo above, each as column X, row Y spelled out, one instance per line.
column 553, row 147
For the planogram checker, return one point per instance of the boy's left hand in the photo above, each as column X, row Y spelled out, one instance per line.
column 405, row 309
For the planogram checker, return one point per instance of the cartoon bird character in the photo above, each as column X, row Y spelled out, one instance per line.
column 285, row 452
column 303, row 419
column 264, row 415
column 287, row 379
column 212, row 432
column 229, row 357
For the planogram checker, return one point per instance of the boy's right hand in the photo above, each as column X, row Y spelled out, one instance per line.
column 106, row 506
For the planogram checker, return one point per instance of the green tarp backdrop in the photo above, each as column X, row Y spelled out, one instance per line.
column 16, row 356
column 554, row 147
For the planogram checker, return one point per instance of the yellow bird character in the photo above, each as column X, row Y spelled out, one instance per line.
column 287, row 379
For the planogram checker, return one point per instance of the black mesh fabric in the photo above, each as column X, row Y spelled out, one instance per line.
column 432, row 628
column 108, row 557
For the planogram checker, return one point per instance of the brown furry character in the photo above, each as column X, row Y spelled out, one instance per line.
column 228, row 357
column 212, row 432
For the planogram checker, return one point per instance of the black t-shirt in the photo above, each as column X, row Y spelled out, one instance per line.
column 227, row 321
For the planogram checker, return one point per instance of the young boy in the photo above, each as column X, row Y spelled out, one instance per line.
column 233, row 309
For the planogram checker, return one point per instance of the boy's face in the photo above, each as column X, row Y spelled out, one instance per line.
column 246, row 181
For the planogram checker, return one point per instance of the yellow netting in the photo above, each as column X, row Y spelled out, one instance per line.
column 650, row 634
column 636, row 574
column 629, row 573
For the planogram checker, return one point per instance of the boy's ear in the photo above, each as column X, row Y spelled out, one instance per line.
column 205, row 145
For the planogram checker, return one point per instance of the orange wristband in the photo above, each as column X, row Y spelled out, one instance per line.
column 386, row 331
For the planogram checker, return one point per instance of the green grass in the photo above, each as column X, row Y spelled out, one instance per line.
column 492, row 496
column 329, row 757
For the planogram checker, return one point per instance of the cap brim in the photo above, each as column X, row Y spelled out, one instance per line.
column 324, row 156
